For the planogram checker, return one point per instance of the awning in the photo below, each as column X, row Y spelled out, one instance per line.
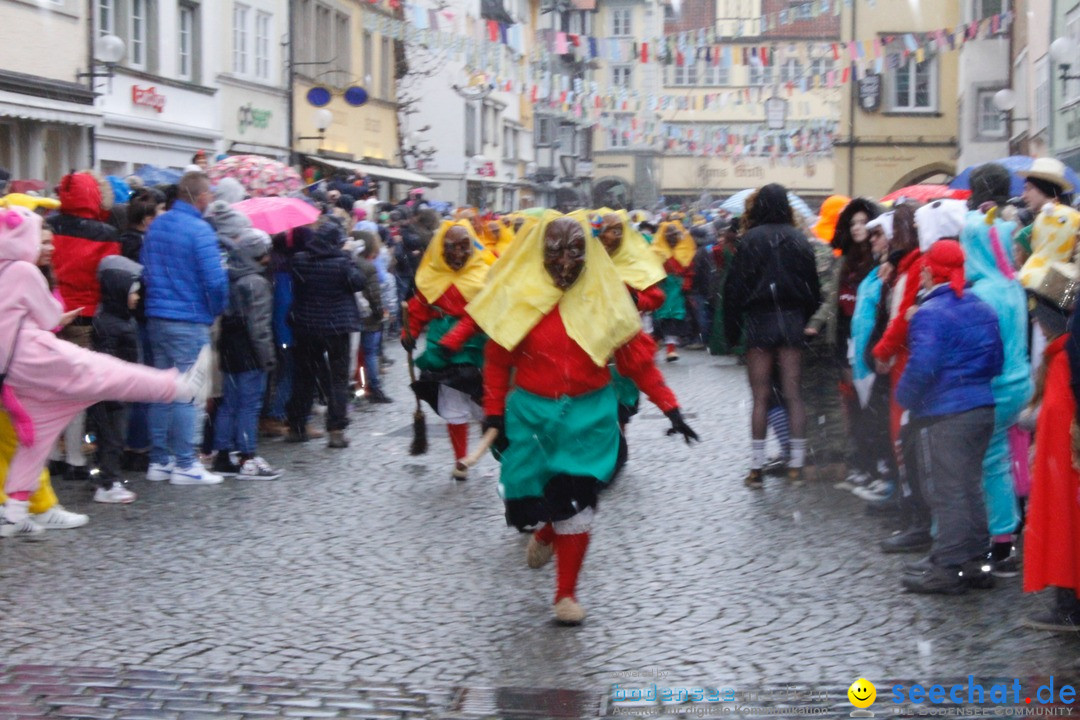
column 44, row 110
column 397, row 175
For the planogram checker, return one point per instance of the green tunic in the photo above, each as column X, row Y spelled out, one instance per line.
column 554, row 436
column 471, row 354
column 674, row 307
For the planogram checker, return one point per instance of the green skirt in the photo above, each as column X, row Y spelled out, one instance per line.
column 674, row 307
column 626, row 393
column 559, row 451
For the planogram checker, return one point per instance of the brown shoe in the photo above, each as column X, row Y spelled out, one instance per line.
column 337, row 439
column 537, row 554
column 754, row 480
column 314, row 432
column 569, row 612
column 268, row 427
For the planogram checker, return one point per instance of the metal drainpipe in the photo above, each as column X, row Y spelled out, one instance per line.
column 90, row 80
column 291, row 79
column 851, row 109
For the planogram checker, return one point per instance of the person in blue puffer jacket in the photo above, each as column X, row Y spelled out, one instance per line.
column 956, row 352
column 187, row 287
column 986, row 240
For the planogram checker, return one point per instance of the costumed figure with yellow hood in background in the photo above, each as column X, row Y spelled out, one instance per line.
column 451, row 273
column 676, row 249
column 556, row 312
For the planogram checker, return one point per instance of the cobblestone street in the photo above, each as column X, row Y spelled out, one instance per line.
column 370, row 568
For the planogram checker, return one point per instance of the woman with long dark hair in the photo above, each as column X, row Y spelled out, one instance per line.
column 772, row 292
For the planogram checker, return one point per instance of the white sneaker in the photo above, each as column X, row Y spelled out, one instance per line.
column 57, row 518
column 853, row 480
column 193, row 383
column 194, row 475
column 257, row 469
column 159, row 473
column 115, row 493
column 25, row 529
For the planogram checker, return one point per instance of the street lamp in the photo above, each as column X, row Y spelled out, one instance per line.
column 323, row 118
column 108, row 52
column 1005, row 102
column 1063, row 51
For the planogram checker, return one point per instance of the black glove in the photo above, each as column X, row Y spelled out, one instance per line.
column 408, row 342
column 679, row 426
column 494, row 421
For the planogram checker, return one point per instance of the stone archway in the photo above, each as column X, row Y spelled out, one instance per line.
column 924, row 173
column 612, row 192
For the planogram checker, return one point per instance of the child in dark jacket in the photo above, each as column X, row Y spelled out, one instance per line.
column 246, row 348
column 114, row 332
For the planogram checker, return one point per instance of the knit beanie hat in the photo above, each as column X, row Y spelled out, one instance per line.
column 946, row 262
column 228, row 222
column 940, row 219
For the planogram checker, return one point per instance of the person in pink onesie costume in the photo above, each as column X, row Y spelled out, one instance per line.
column 49, row 380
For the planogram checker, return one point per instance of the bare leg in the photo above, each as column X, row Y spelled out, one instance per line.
column 759, row 368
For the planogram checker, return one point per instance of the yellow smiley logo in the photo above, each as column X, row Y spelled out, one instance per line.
column 862, row 693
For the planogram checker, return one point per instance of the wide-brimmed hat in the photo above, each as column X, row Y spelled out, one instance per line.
column 1049, row 169
column 1055, row 297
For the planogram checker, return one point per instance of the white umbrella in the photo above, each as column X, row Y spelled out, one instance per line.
column 736, row 205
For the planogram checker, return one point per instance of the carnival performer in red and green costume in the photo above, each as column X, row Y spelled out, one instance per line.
column 451, row 273
column 556, row 312
column 676, row 249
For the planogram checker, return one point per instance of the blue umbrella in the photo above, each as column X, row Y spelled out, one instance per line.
column 153, row 175
column 1014, row 164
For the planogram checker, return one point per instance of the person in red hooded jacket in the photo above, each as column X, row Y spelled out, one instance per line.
column 81, row 239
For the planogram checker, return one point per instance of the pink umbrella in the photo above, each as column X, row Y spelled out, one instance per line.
column 260, row 176
column 927, row 193
column 277, row 214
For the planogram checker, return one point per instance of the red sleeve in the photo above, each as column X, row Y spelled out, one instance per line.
column 462, row 332
column 895, row 337
column 651, row 298
column 497, row 364
column 635, row 361
column 420, row 314
column 672, row 266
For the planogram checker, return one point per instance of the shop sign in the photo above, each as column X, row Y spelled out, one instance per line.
column 486, row 170
column 870, row 93
column 252, row 117
column 147, row 97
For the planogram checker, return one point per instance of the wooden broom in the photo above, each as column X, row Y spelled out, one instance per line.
column 419, row 426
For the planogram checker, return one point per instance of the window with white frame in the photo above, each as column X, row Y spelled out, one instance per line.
column 989, row 121
column 621, row 22
column 342, row 48
column 982, row 9
column 821, row 66
column 185, row 42
column 685, row 74
column 1042, row 94
column 791, row 71
column 1071, row 93
column 138, row 33
column 470, row 129
column 619, row 132
column 715, row 74
column 510, row 142
column 263, row 32
column 386, row 67
column 761, row 74
column 241, row 16
column 369, row 59
column 621, row 76
column 802, row 10
column 545, row 131
column 914, row 85
column 106, row 17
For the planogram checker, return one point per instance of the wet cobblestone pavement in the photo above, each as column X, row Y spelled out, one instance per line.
column 366, row 583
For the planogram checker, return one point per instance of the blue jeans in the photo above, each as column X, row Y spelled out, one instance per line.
column 174, row 344
column 236, row 426
column 282, row 388
column 371, row 341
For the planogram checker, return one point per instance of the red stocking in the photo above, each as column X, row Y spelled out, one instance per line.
column 459, row 438
column 545, row 535
column 569, row 554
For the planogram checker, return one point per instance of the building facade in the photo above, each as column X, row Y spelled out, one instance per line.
column 471, row 134
column 901, row 126
column 253, row 93
column 161, row 105
column 342, row 45
column 1065, row 95
column 734, row 97
column 47, row 114
column 1029, row 121
column 985, row 68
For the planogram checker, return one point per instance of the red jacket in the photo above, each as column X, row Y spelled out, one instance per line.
column 649, row 299
column 81, row 240
column 550, row 364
